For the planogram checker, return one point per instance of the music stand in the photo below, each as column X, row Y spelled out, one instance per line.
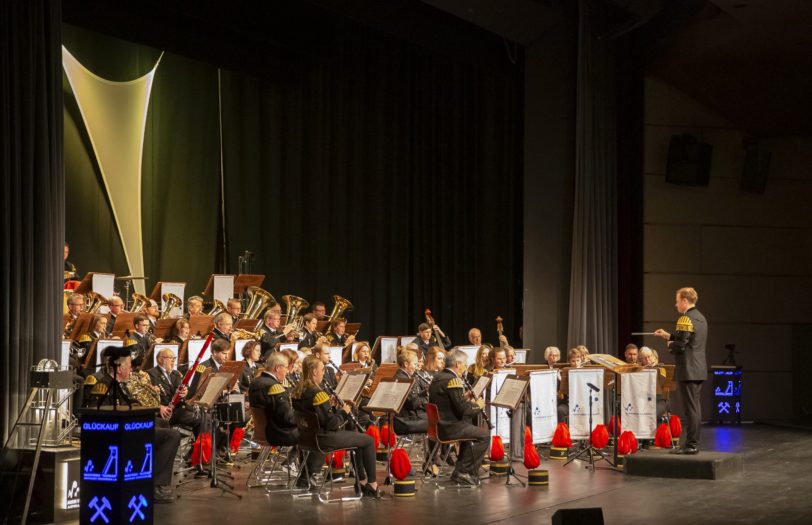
column 200, row 325
column 511, row 397
column 245, row 280
column 249, row 325
column 389, row 397
column 81, row 326
column 163, row 327
column 124, row 323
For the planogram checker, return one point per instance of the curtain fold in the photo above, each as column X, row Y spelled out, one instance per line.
column 593, row 281
column 33, row 193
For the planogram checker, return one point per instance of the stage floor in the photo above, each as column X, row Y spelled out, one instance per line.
column 775, row 487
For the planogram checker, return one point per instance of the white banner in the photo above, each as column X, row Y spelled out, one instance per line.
column 638, row 403
column 499, row 416
column 580, row 393
column 544, row 404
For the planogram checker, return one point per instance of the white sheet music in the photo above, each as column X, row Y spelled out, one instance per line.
column 64, row 354
column 470, row 351
column 103, row 283
column 178, row 289
column 499, row 416
column 223, row 287
column 406, row 339
column 104, row 343
column 389, row 394
column 521, row 356
column 336, row 354
column 350, row 386
column 389, row 350
column 193, row 349
column 239, row 344
column 173, row 347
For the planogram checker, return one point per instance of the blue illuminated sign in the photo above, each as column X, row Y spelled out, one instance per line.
column 146, row 466
column 92, row 426
column 101, row 507
column 108, row 473
column 136, row 504
column 727, row 394
column 139, row 425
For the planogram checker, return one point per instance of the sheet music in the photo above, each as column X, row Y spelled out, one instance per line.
column 223, row 288
column 521, row 356
column 193, row 348
column 239, row 344
column 178, row 289
column 104, row 343
column 214, row 387
column 406, row 339
column 64, row 354
column 350, row 386
column 480, row 385
column 104, row 283
column 499, row 416
column 173, row 347
column 470, row 351
column 389, row 395
column 389, row 350
column 336, row 354
column 511, row 392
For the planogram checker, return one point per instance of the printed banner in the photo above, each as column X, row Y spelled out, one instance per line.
column 638, row 403
column 580, row 392
column 499, row 416
column 544, row 404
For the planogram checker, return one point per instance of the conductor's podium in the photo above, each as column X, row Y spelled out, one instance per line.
column 705, row 465
column 116, row 465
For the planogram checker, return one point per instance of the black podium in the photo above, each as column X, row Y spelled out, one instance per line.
column 116, row 465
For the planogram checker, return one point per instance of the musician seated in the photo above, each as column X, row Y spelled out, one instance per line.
column 631, row 354
column 435, row 361
column 412, row 418
column 142, row 337
column 180, row 331
column 337, row 336
column 169, row 381
column 456, row 413
column 234, row 308
column 575, row 358
column 510, row 356
column 194, row 306
column 272, row 332
column 71, row 273
column 308, row 396
column 475, row 338
column 319, row 311
column 152, row 313
column 76, row 305
column 497, row 359
column 223, row 323
column 427, row 337
column 167, row 440
column 648, row 358
column 363, row 356
column 481, row 365
column 250, row 353
column 219, row 355
column 294, row 373
column 309, row 336
column 116, row 306
column 322, row 352
column 268, row 393
column 552, row 355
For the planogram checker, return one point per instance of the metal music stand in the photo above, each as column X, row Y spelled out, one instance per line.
column 589, row 450
column 512, row 398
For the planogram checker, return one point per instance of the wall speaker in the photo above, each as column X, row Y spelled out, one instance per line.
column 591, row 516
column 756, row 167
column 689, row 161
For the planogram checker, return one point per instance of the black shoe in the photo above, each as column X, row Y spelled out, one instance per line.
column 304, row 483
column 463, row 478
column 163, row 494
column 450, row 461
column 369, row 492
column 691, row 450
column 679, row 450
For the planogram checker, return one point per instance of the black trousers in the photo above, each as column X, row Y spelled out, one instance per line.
column 186, row 417
column 690, row 393
column 411, row 425
column 167, row 441
column 472, row 453
column 348, row 439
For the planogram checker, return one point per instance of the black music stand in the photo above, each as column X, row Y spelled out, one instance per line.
column 388, row 403
column 511, row 396
column 589, row 450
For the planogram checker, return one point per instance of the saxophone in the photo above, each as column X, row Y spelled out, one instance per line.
column 141, row 390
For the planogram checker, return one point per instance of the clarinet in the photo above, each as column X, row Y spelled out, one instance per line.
column 332, row 392
column 423, row 382
column 482, row 410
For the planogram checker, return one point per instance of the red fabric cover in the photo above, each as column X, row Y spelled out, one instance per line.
column 236, row 439
column 335, row 459
column 531, row 456
column 528, row 435
column 600, row 436
column 675, row 423
column 71, row 285
column 375, row 434
column 627, row 443
column 561, row 437
column 387, row 436
column 202, row 443
column 400, row 464
column 612, row 422
column 497, row 449
column 662, row 438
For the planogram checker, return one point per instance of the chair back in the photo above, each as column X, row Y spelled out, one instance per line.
column 258, row 415
column 308, row 425
column 434, row 419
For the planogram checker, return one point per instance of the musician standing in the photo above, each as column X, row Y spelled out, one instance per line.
column 71, row 273
column 456, row 413
column 426, row 339
column 687, row 345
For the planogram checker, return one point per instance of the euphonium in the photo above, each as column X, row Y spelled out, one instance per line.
column 239, row 333
column 294, row 311
column 94, row 301
column 340, row 306
column 218, row 308
column 139, row 302
column 171, row 301
column 140, row 389
column 258, row 301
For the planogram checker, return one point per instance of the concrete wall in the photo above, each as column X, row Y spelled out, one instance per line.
column 748, row 255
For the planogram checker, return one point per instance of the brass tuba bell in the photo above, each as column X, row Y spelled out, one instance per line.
column 340, row 306
column 94, row 301
column 295, row 306
column 140, row 302
column 217, row 309
column 258, row 301
column 171, row 301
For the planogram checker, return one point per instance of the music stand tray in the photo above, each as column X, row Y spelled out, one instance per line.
column 245, row 280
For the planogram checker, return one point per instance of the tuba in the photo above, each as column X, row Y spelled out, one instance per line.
column 239, row 333
column 340, row 306
column 258, row 301
column 94, row 302
column 140, row 302
column 140, row 389
column 171, row 301
column 294, row 311
column 218, row 308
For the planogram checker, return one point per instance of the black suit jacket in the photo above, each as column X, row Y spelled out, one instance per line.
column 688, row 347
column 143, row 346
column 415, row 404
column 269, row 395
column 447, row 392
column 168, row 388
column 269, row 340
column 424, row 347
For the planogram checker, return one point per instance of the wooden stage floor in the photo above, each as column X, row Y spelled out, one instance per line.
column 775, row 487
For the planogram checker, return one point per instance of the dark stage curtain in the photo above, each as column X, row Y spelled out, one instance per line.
column 377, row 170
column 32, row 195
